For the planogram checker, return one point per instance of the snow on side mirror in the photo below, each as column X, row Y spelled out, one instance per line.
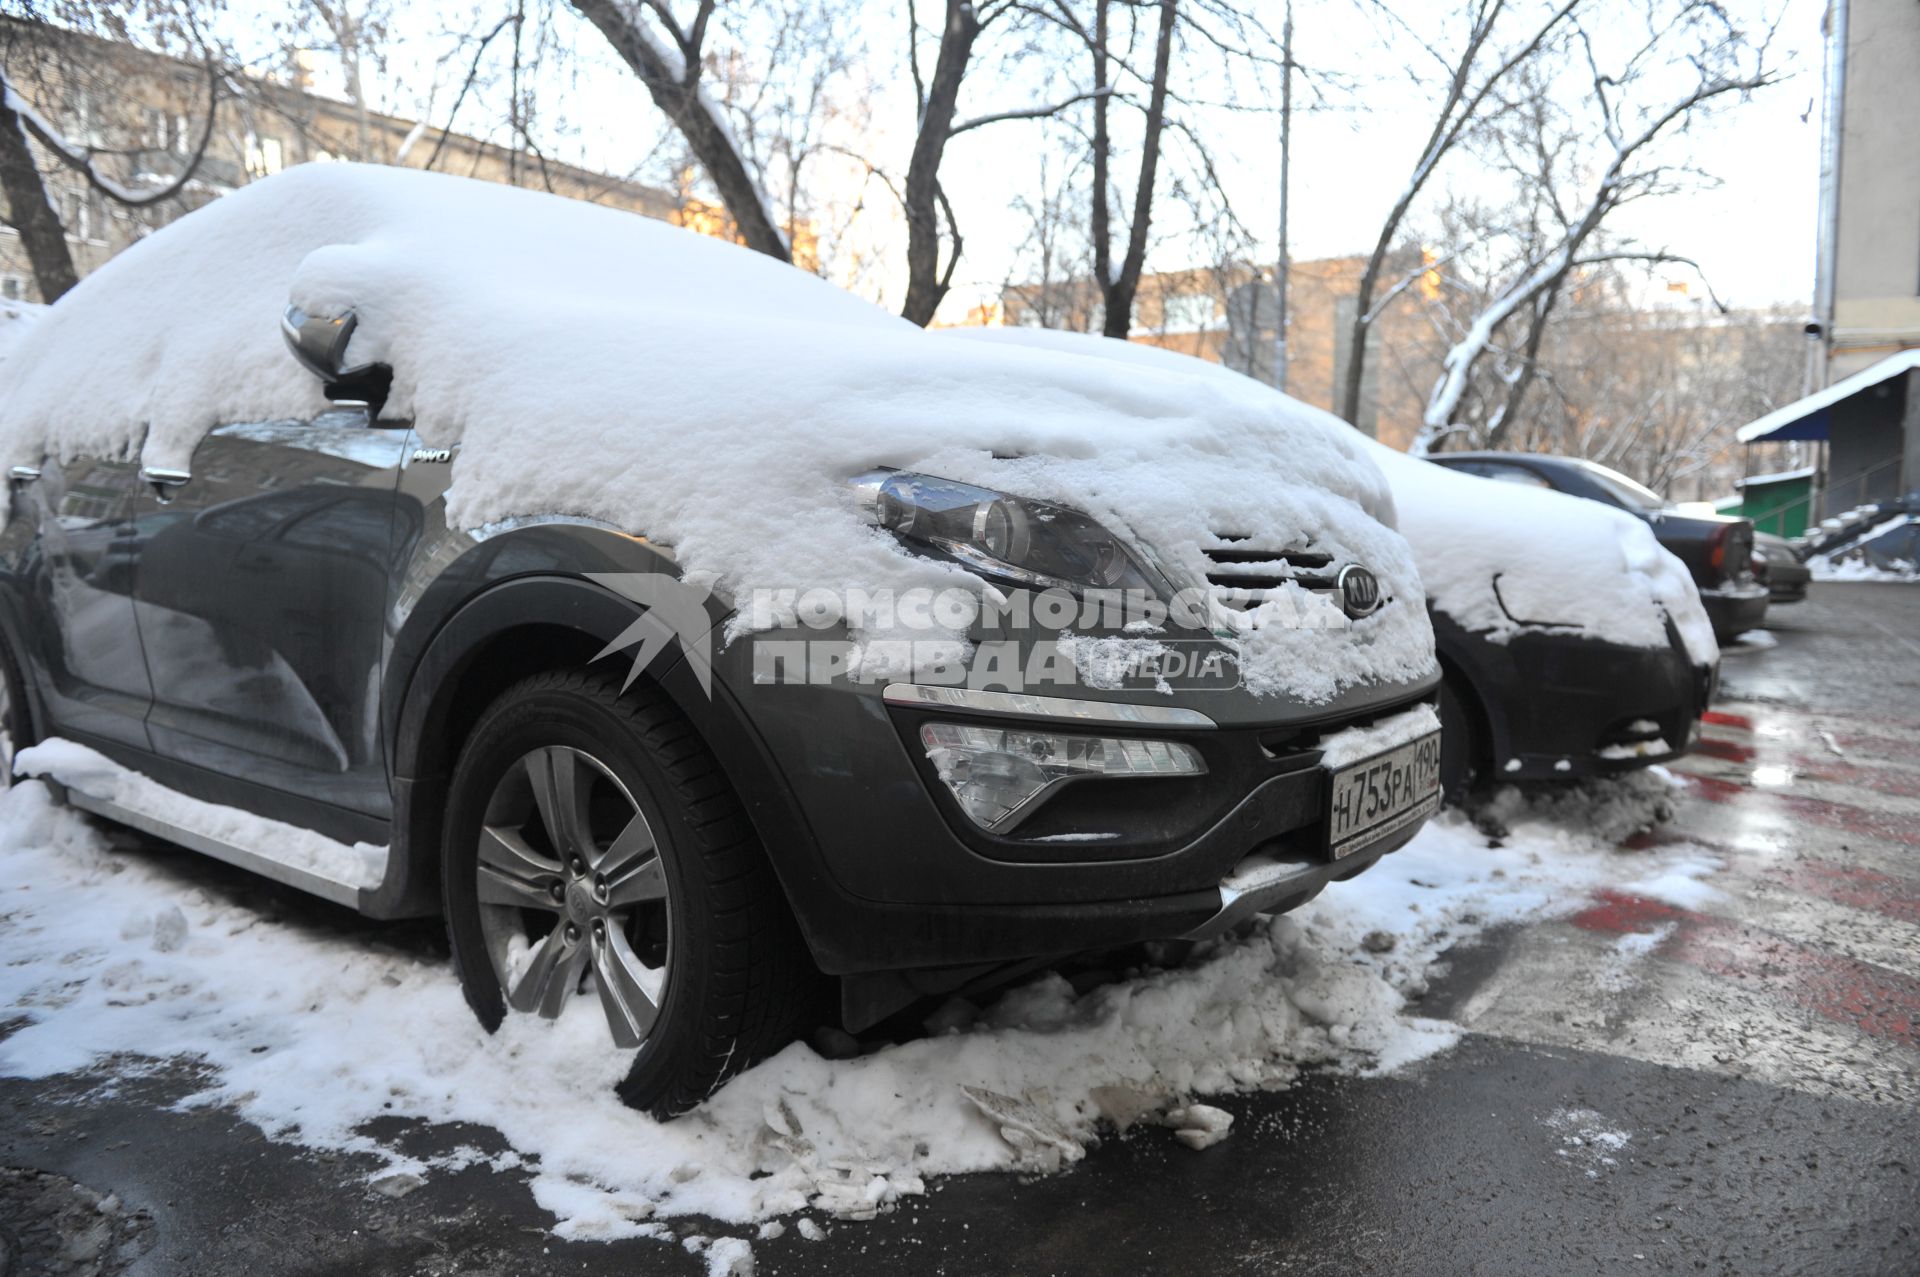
column 320, row 343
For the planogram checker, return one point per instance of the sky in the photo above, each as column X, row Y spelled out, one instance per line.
column 1750, row 224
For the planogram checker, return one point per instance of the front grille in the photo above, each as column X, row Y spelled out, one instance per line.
column 1242, row 576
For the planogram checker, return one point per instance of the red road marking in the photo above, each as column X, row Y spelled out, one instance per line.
column 1894, row 826
column 1880, row 1003
column 1724, row 749
column 1744, row 723
column 1823, row 767
column 1868, row 889
column 1884, row 894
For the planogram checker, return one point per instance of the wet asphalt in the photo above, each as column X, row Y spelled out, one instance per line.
column 1754, row 1085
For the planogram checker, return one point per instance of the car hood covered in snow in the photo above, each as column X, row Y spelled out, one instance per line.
column 592, row 363
column 1499, row 558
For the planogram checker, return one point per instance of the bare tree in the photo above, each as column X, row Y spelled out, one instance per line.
column 43, row 55
column 937, row 100
column 29, row 211
column 1471, row 77
column 1574, row 168
column 1174, row 66
column 355, row 34
column 1652, row 389
column 668, row 51
column 1055, row 287
column 1121, row 282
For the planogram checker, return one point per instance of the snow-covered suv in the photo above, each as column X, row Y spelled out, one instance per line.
column 683, row 627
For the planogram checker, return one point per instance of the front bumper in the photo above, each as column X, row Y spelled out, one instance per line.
column 1561, row 706
column 887, row 874
column 1735, row 609
column 1787, row 582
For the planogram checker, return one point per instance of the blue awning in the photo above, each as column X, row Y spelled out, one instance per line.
column 1809, row 418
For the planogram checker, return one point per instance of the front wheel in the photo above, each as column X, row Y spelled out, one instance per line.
column 596, row 854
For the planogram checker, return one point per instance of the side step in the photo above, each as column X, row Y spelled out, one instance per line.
column 337, row 890
column 289, row 854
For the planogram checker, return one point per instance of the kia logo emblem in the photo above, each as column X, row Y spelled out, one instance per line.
column 1359, row 591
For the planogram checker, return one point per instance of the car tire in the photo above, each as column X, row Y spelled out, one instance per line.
column 692, row 952
column 1462, row 742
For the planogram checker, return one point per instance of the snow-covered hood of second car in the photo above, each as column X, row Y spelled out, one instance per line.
column 592, row 363
column 1501, row 559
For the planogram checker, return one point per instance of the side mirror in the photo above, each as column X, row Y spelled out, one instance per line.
column 320, row 344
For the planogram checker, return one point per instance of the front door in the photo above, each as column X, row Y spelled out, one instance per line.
column 262, row 600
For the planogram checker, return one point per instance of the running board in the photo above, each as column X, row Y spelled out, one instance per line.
column 337, row 890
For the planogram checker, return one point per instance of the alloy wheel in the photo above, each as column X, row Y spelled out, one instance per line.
column 572, row 890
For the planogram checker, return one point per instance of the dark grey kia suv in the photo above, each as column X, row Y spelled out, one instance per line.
column 287, row 654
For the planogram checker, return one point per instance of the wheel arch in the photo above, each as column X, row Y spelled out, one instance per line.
column 526, row 625
column 1463, row 666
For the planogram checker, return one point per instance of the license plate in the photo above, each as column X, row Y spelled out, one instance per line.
column 1371, row 799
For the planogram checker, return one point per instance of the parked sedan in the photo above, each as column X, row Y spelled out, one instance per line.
column 1717, row 549
column 680, row 628
column 1573, row 643
column 1779, row 567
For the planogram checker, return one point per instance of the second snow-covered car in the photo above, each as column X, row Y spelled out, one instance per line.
column 679, row 626
column 1716, row 548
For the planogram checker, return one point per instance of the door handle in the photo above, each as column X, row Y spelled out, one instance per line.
column 164, row 481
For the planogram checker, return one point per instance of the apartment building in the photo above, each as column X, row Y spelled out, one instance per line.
column 143, row 114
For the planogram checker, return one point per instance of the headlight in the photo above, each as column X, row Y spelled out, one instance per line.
column 1027, row 543
column 998, row 775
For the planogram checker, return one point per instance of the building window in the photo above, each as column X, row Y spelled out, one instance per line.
column 80, row 213
column 12, row 288
column 1188, row 312
column 264, row 156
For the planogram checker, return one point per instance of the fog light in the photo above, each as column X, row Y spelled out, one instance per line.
column 998, row 775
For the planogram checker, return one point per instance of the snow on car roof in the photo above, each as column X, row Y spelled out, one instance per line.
column 17, row 319
column 590, row 362
column 1561, row 562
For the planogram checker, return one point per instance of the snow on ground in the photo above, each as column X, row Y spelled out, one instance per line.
column 1750, row 641
column 1587, row 1140
column 112, row 957
column 1865, row 559
column 1854, row 569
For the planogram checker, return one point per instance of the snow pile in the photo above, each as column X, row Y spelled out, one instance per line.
column 1608, row 808
column 112, row 956
column 1890, row 551
column 1857, row 569
column 593, row 363
column 1500, row 559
